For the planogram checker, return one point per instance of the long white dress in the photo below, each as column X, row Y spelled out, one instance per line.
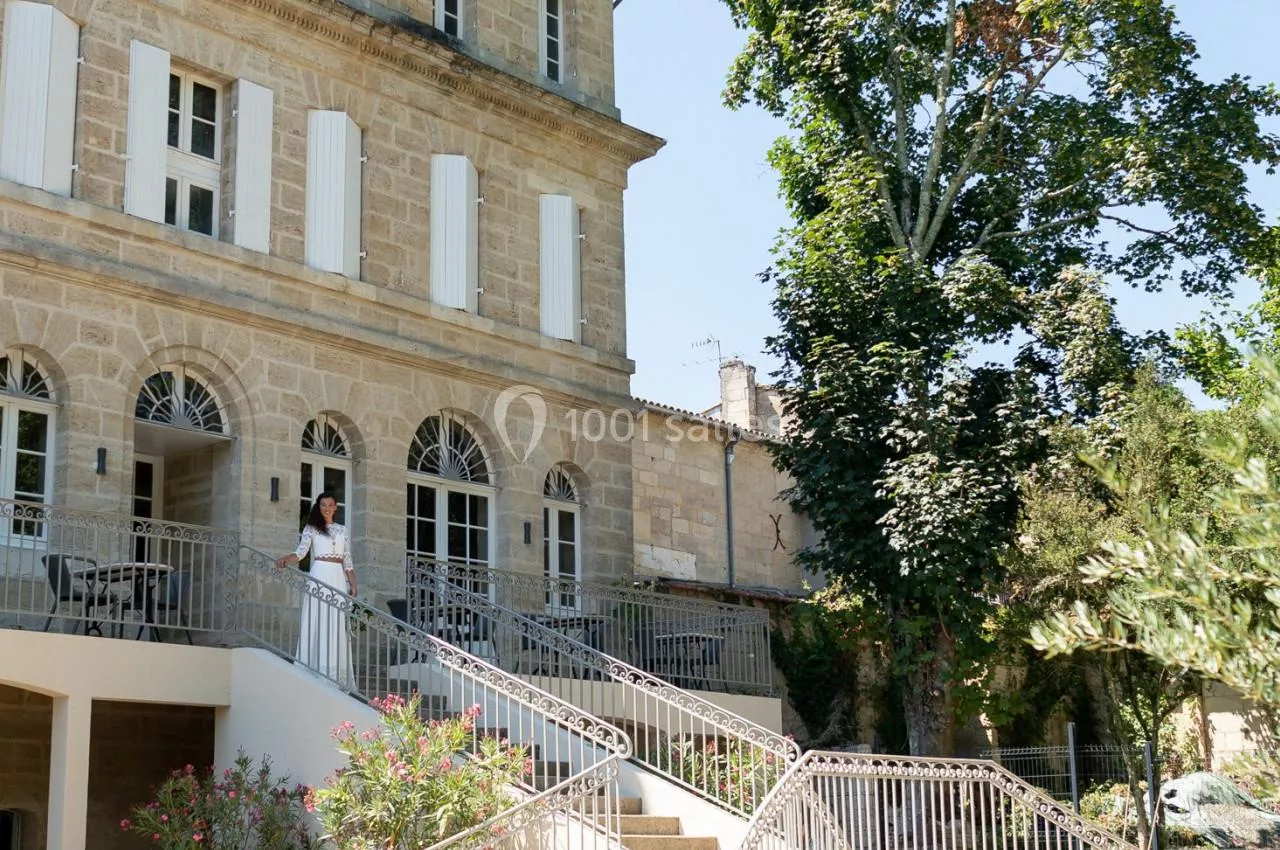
column 324, row 643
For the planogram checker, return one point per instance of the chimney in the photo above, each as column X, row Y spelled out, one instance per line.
column 738, row 393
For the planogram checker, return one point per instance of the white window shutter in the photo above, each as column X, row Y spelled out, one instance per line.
column 560, row 260
column 147, row 140
column 333, row 193
column 455, row 225
column 38, row 110
column 251, row 226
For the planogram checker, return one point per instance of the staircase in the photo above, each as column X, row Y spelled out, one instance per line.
column 656, row 832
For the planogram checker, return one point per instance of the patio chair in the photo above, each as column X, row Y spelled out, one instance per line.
column 89, row 594
column 174, row 596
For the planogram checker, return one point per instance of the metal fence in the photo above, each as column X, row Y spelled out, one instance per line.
column 691, row 643
column 717, row 755
column 571, row 793
column 1050, row 768
column 111, row 574
column 840, row 801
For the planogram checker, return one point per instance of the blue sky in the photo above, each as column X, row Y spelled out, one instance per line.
column 702, row 216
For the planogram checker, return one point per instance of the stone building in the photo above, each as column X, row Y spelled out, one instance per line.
column 708, row 506
column 255, row 248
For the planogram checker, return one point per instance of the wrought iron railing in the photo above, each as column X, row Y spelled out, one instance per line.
column 111, row 574
column 832, row 800
column 719, row 756
column 368, row 653
column 692, row 643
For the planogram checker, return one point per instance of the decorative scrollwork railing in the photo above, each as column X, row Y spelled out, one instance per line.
column 112, row 573
column 368, row 653
column 718, row 755
column 631, row 623
column 830, row 800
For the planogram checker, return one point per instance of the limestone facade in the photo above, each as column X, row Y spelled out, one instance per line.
column 102, row 300
column 681, row 496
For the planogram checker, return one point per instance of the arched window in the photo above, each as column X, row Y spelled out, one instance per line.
column 326, row 465
column 561, row 535
column 174, row 397
column 449, row 510
column 26, row 435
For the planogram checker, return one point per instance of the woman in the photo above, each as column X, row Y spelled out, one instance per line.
column 323, row 643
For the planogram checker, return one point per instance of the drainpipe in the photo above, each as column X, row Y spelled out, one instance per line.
column 728, row 499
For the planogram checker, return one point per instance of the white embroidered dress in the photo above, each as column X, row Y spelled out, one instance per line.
column 324, row 643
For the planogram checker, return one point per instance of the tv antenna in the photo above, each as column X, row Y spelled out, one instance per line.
column 709, row 342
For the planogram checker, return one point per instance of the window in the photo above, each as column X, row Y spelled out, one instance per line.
column 449, row 509
column 561, row 533
column 326, row 465
column 552, row 47
column 194, row 139
column 173, row 397
column 449, row 17
column 26, row 436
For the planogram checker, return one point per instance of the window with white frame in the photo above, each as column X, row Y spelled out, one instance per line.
column 326, row 467
column 552, row 41
column 449, row 17
column 561, row 537
column 26, row 436
column 194, row 172
column 449, row 509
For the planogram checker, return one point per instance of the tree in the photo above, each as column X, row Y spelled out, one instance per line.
column 1203, row 597
column 1148, row 431
column 952, row 158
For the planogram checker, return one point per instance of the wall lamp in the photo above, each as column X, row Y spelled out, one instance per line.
column 101, row 466
column 275, row 489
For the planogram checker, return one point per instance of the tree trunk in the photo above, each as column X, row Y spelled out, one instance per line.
column 926, row 701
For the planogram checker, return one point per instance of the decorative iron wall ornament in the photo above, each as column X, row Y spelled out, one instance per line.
column 174, row 397
column 445, row 448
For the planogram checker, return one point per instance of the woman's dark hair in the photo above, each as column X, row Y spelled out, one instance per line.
column 315, row 519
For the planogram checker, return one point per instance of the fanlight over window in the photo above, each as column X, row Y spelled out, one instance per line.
column 21, row 376
column 445, row 448
column 323, row 437
column 559, row 486
column 173, row 397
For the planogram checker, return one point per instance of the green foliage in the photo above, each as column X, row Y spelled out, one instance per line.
column 731, row 770
column 1202, row 596
column 411, row 783
column 818, row 656
column 1257, row 775
column 243, row 807
column 952, row 166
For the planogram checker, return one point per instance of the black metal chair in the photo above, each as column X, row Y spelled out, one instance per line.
column 66, row 587
column 174, row 597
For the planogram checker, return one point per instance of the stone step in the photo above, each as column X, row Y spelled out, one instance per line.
column 669, row 842
column 650, row 825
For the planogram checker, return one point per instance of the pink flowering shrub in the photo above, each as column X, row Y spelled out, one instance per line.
column 731, row 770
column 411, row 783
column 242, row 807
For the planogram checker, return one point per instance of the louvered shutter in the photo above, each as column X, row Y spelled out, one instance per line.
column 252, row 223
column 38, row 110
column 455, row 222
column 147, row 141
column 333, row 193
column 560, row 278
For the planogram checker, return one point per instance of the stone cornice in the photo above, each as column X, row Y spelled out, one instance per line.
column 434, row 60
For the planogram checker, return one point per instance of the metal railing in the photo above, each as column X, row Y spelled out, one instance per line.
column 692, row 643
column 368, row 653
column 718, row 755
column 832, row 800
column 112, row 574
